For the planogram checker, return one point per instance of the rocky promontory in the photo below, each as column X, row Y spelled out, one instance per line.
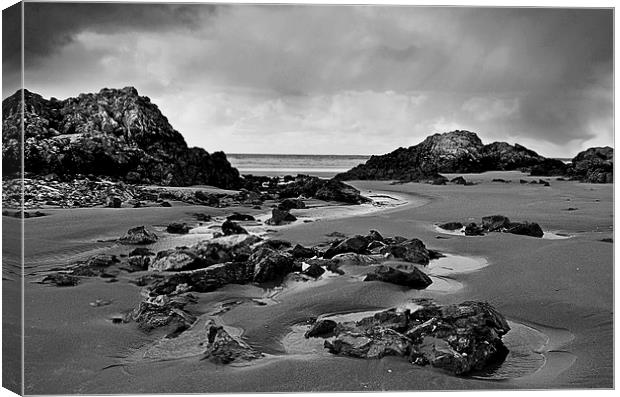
column 114, row 133
column 463, row 152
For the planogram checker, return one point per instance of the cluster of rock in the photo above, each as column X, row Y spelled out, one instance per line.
column 463, row 152
column 460, row 338
column 92, row 191
column 114, row 133
column 304, row 186
column 496, row 223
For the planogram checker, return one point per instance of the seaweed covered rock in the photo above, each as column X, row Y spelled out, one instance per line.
column 411, row 250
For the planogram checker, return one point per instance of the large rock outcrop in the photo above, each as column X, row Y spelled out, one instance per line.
column 114, row 133
column 594, row 165
column 452, row 152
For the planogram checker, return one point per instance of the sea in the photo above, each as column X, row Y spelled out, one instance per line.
column 323, row 166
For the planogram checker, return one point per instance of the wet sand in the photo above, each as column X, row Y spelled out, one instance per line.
column 557, row 292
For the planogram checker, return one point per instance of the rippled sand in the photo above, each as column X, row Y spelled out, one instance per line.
column 556, row 292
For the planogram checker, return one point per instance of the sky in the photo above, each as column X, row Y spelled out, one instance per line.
column 334, row 79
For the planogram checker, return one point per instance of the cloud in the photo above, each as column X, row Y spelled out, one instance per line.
column 355, row 79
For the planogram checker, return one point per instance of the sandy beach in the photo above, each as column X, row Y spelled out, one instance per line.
column 556, row 292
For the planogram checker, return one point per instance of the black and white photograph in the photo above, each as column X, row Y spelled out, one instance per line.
column 229, row 197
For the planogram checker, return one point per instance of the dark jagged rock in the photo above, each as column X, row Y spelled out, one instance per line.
column 279, row 217
column 451, row 152
column 141, row 251
column 458, row 338
column 270, row 265
column 233, row 248
column 412, row 250
column 412, row 279
column 114, row 133
column 314, row 271
column 178, row 228
column 474, row 230
column 320, row 189
column 321, row 328
column 223, row 348
column 276, row 244
column 230, row 227
column 177, row 259
column 356, row 244
column 595, row 165
column 374, row 235
column 525, row 229
column 236, row 217
column 451, row 226
column 138, row 235
column 162, row 311
column 291, row 204
column 494, row 223
column 522, row 181
column 500, row 180
column 300, row 251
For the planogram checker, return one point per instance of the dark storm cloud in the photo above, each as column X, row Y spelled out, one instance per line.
column 51, row 26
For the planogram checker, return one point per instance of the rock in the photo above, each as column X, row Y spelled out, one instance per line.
column 451, row 226
column 374, row 235
column 222, row 348
column 279, row 217
column 500, row 180
column 300, row 251
column 233, row 248
column 61, row 280
column 594, row 165
column 459, row 180
column 290, row 204
column 375, row 247
column 165, row 204
column 494, row 223
column 413, row 279
column 526, row 229
column 439, row 180
column 94, row 266
column 178, row 228
column 240, row 217
column 160, row 311
column 522, row 181
column 314, row 271
column 229, row 228
column 114, row 202
column 276, row 244
column 138, row 235
column 321, row 328
column 270, row 265
column 321, row 189
column 412, row 250
column 451, row 152
column 544, row 183
column 474, row 230
column 458, row 338
column 356, row 244
column 352, row 259
column 549, row 167
column 177, row 259
column 114, row 133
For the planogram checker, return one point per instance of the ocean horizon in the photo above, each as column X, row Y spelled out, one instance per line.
column 321, row 165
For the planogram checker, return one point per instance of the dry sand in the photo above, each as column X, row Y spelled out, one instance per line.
column 558, row 294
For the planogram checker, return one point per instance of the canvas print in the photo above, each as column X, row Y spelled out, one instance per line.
column 207, row 198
